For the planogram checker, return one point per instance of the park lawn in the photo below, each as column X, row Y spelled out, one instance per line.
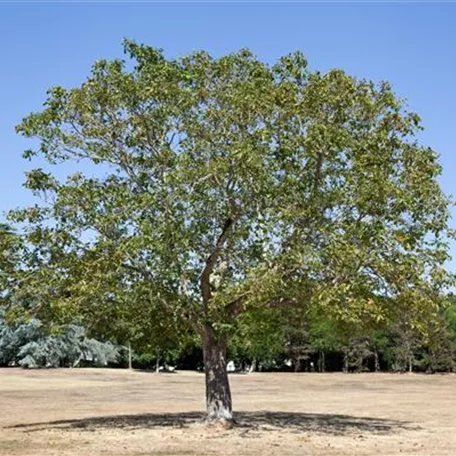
column 94, row 412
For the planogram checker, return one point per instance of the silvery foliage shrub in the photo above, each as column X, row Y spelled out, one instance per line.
column 27, row 345
column 13, row 338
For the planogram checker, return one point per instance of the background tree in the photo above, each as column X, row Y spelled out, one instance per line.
column 27, row 344
column 450, row 318
column 259, row 341
column 10, row 247
column 298, row 341
column 438, row 354
column 226, row 185
column 327, row 335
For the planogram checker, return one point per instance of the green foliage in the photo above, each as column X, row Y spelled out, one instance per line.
column 260, row 337
column 395, row 345
column 217, row 187
column 10, row 246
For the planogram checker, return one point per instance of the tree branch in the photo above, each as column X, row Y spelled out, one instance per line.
column 211, row 261
column 281, row 302
column 233, row 308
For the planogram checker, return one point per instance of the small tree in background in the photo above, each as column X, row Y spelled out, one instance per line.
column 259, row 339
column 450, row 319
column 438, row 351
column 28, row 345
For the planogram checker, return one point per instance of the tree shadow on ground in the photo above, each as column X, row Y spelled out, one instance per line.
column 247, row 421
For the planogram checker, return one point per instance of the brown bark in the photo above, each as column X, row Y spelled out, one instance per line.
column 211, row 260
column 218, row 394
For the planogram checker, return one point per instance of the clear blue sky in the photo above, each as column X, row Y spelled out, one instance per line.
column 413, row 45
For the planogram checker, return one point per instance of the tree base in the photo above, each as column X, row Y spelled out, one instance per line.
column 220, row 423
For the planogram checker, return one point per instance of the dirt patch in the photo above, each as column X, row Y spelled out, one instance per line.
column 113, row 412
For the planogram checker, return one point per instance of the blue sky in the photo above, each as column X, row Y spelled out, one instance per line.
column 413, row 45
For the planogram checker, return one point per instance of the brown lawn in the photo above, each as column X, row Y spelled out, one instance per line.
column 93, row 412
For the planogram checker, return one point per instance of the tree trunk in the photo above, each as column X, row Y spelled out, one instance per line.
column 157, row 362
column 345, row 368
column 76, row 363
column 298, row 365
column 360, row 363
column 218, row 394
column 253, row 366
column 130, row 364
column 376, row 361
column 410, row 364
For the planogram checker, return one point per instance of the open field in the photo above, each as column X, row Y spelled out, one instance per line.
column 114, row 412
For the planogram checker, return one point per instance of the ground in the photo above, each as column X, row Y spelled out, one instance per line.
column 95, row 412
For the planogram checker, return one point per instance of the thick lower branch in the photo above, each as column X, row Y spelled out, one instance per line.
column 211, row 260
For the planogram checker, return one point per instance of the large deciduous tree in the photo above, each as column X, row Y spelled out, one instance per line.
column 224, row 185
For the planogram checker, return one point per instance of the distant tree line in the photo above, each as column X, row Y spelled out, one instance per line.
column 314, row 342
column 297, row 341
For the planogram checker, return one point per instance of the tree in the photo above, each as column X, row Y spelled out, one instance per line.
column 298, row 342
column 450, row 318
column 25, row 344
column 406, row 340
column 327, row 334
column 224, row 185
column 259, row 339
column 10, row 245
column 439, row 350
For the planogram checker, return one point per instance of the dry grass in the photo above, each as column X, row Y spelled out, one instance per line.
column 113, row 412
